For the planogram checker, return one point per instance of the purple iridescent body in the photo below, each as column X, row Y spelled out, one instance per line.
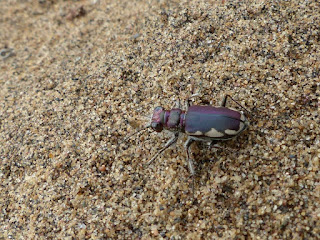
column 216, row 123
column 200, row 123
column 219, row 123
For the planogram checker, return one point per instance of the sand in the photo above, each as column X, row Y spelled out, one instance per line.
column 77, row 77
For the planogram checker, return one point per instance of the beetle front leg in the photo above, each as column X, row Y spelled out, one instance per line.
column 168, row 144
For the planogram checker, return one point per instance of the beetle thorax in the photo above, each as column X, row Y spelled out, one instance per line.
column 172, row 120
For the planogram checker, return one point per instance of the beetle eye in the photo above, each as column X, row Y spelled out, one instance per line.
column 157, row 126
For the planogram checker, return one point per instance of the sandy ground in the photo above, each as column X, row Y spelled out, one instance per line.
column 77, row 77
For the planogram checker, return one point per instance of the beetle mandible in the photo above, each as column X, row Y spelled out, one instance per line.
column 200, row 123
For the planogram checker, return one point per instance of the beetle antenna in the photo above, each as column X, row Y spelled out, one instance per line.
column 140, row 130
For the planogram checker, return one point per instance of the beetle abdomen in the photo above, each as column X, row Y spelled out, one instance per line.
column 214, row 122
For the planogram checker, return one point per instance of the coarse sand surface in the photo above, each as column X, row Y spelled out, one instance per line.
column 77, row 77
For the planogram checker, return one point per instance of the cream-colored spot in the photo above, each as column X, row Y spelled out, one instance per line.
column 214, row 133
column 234, row 132
column 230, row 132
column 243, row 118
column 197, row 133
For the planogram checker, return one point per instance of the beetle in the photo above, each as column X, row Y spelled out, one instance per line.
column 200, row 123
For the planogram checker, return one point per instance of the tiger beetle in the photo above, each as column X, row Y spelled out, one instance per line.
column 200, row 123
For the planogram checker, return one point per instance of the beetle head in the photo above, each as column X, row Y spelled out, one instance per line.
column 157, row 120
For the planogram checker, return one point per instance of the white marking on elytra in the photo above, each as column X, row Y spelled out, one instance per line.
column 242, row 118
column 197, row 133
column 214, row 133
column 231, row 132
column 234, row 132
column 241, row 126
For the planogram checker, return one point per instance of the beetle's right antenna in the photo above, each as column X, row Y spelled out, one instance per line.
column 140, row 130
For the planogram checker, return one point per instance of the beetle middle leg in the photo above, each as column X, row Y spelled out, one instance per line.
column 168, row 144
column 189, row 160
column 187, row 145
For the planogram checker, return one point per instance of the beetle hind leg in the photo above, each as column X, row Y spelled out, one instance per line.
column 177, row 104
column 188, row 103
column 224, row 103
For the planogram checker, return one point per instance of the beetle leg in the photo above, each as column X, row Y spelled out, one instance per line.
column 177, row 104
column 213, row 145
column 187, row 146
column 189, row 160
column 168, row 144
column 192, row 96
column 224, row 102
